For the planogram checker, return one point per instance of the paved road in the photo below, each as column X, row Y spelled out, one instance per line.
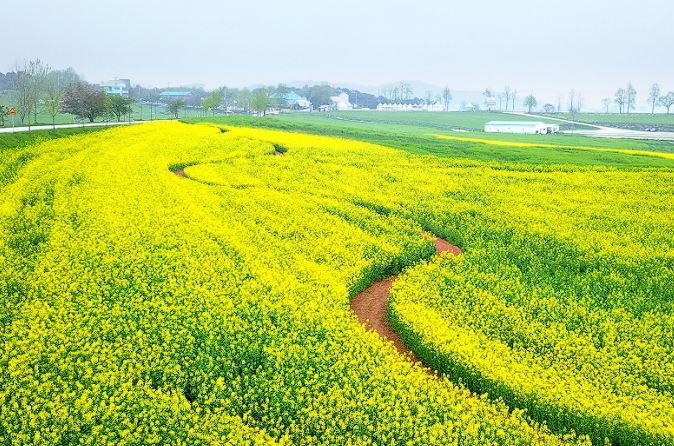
column 599, row 131
column 67, row 126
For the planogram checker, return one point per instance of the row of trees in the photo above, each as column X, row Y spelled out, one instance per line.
column 626, row 99
column 35, row 84
column 506, row 97
column 36, row 87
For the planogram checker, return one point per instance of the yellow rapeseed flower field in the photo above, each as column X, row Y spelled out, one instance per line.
column 142, row 307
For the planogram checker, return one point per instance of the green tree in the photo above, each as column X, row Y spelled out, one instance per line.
column 260, row 101
column 214, row 100
column 654, row 96
column 242, row 99
column 28, row 88
column 320, row 95
column 208, row 104
column 281, row 96
column 175, row 106
column 530, row 102
column 3, row 112
column 120, row 106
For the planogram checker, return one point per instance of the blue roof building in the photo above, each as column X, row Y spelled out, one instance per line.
column 294, row 101
column 175, row 94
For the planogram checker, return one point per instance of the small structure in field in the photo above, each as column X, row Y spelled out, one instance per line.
column 524, row 127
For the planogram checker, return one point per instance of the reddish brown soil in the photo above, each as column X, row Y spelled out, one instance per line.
column 180, row 173
column 444, row 246
column 370, row 306
column 277, row 153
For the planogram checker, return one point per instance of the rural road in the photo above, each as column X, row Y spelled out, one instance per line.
column 600, row 131
column 66, row 126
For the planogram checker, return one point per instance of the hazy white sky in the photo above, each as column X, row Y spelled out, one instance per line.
column 541, row 47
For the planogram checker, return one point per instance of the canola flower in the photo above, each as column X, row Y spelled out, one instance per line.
column 144, row 308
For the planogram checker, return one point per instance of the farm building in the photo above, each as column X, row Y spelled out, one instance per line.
column 528, row 127
column 341, row 102
column 119, row 87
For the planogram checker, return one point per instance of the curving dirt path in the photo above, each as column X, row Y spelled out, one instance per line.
column 370, row 306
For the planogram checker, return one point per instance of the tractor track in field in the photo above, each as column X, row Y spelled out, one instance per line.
column 370, row 305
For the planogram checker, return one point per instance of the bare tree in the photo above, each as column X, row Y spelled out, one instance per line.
column 572, row 99
column 405, row 91
column 53, row 96
column 620, row 98
column 631, row 97
column 606, row 102
column 667, row 100
column 654, row 96
column 29, row 83
column 514, row 94
column 446, row 98
column 507, row 91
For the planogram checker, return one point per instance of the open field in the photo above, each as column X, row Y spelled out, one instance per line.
column 421, row 138
column 633, row 121
column 174, row 282
column 447, row 121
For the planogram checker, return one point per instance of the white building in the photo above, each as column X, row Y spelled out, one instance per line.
column 341, row 102
column 389, row 106
column 527, row 127
column 120, row 87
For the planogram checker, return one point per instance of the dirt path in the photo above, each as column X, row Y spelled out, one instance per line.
column 370, row 306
